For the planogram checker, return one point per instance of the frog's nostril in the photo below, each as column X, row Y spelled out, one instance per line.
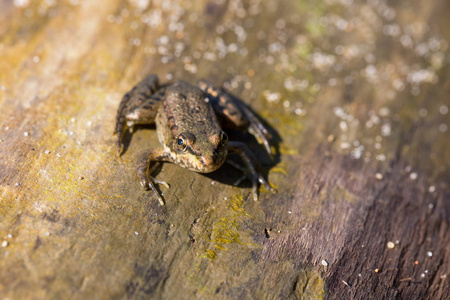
column 211, row 162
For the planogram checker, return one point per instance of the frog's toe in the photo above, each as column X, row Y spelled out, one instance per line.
column 119, row 147
column 130, row 126
column 161, row 182
column 160, row 199
column 262, row 137
column 150, row 185
column 119, row 131
column 254, row 179
column 145, row 183
column 255, row 196
column 271, row 188
column 258, row 178
column 255, row 189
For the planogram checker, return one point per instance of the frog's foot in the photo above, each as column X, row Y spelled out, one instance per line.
column 257, row 129
column 148, row 182
column 144, row 171
column 121, row 123
column 251, row 166
column 255, row 178
column 138, row 106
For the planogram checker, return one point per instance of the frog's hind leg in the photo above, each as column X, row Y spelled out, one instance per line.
column 138, row 94
column 139, row 106
column 251, row 167
column 144, row 170
column 234, row 114
column 257, row 129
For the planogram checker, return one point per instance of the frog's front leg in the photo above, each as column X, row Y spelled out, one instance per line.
column 139, row 106
column 144, row 170
column 234, row 114
column 252, row 167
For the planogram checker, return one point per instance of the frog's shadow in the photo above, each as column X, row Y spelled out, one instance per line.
column 227, row 174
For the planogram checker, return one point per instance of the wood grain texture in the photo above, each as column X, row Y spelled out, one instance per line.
column 357, row 96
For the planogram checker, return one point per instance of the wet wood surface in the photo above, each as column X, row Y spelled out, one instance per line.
column 356, row 94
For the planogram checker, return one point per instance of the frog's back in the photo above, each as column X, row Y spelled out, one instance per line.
column 187, row 110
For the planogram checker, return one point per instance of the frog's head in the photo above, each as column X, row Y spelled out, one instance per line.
column 204, row 154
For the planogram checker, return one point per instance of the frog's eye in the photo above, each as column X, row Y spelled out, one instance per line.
column 181, row 144
column 223, row 138
column 183, row 141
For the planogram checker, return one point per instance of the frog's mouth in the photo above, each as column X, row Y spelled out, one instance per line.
column 207, row 164
column 211, row 163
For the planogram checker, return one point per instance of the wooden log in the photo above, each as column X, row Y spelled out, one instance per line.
column 356, row 94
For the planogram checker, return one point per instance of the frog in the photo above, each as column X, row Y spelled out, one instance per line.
column 190, row 122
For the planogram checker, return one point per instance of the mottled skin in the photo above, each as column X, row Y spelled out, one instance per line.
column 189, row 122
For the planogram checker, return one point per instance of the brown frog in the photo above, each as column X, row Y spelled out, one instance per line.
column 190, row 122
